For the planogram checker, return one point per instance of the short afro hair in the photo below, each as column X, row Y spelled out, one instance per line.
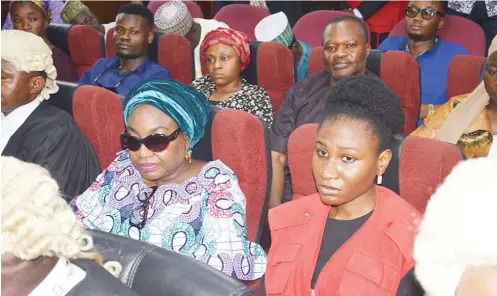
column 137, row 9
column 369, row 99
column 362, row 24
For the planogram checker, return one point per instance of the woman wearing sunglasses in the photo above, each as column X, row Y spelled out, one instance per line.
column 155, row 192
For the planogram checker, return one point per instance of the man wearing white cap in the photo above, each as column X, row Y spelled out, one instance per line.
column 173, row 17
column 32, row 130
column 276, row 28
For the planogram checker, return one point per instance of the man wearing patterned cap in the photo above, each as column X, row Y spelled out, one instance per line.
column 173, row 17
column 76, row 12
column 276, row 28
column 32, row 130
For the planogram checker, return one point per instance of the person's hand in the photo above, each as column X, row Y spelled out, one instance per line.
column 349, row 11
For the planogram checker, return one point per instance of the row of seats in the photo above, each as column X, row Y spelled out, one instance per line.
column 241, row 141
column 271, row 66
column 309, row 28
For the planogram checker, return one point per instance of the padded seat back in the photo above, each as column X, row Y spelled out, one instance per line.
column 58, row 35
column 83, row 44
column 150, row 270
column 153, row 48
column 63, row 99
column 458, row 30
column 98, row 114
column 242, row 17
column 464, row 74
column 176, row 55
column 241, row 141
column 398, row 69
column 275, row 71
column 310, row 27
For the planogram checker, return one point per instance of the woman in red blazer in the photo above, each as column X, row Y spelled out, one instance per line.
column 352, row 238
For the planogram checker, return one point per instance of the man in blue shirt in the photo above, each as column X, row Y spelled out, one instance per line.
column 423, row 21
column 132, row 36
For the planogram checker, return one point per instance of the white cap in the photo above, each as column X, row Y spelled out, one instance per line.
column 276, row 28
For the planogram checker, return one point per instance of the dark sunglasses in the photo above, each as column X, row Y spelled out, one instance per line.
column 426, row 13
column 145, row 205
column 155, row 142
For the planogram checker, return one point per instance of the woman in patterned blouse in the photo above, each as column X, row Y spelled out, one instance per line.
column 154, row 192
column 226, row 54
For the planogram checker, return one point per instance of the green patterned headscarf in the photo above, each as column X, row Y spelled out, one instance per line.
column 186, row 106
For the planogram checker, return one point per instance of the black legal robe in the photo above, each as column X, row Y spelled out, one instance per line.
column 50, row 137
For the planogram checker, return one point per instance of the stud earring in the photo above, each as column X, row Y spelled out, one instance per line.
column 379, row 179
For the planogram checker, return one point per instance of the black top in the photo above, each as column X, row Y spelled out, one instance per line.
column 336, row 233
column 49, row 137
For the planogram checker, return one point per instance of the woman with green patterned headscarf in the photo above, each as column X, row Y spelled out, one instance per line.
column 156, row 193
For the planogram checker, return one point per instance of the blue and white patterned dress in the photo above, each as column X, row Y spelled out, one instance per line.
column 203, row 218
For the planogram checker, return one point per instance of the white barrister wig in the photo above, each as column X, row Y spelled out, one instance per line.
column 28, row 52
column 459, row 227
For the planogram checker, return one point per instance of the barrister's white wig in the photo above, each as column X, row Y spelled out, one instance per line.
column 28, row 52
column 36, row 220
column 459, row 227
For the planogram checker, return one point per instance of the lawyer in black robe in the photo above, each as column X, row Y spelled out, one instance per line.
column 49, row 137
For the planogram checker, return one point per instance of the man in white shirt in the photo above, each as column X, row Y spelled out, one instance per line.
column 173, row 17
column 33, row 130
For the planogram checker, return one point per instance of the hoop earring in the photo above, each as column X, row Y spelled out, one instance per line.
column 379, row 179
column 188, row 156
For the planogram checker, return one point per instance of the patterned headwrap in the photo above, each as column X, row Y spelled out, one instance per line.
column 237, row 40
column 71, row 9
column 186, row 106
column 173, row 17
column 28, row 52
column 44, row 5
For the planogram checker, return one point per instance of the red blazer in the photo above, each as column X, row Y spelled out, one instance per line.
column 371, row 262
column 386, row 17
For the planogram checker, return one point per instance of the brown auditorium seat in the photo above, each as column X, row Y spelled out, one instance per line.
column 398, row 69
column 242, row 17
column 465, row 73
column 176, row 55
column 418, row 165
column 275, row 71
column 83, row 44
column 98, row 114
column 310, row 27
column 458, row 30
column 240, row 141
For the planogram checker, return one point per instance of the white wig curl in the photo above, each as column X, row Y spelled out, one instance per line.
column 36, row 220
column 28, row 52
column 458, row 228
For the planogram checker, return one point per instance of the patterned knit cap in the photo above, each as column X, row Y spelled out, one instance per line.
column 173, row 17
column 71, row 9
column 274, row 28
